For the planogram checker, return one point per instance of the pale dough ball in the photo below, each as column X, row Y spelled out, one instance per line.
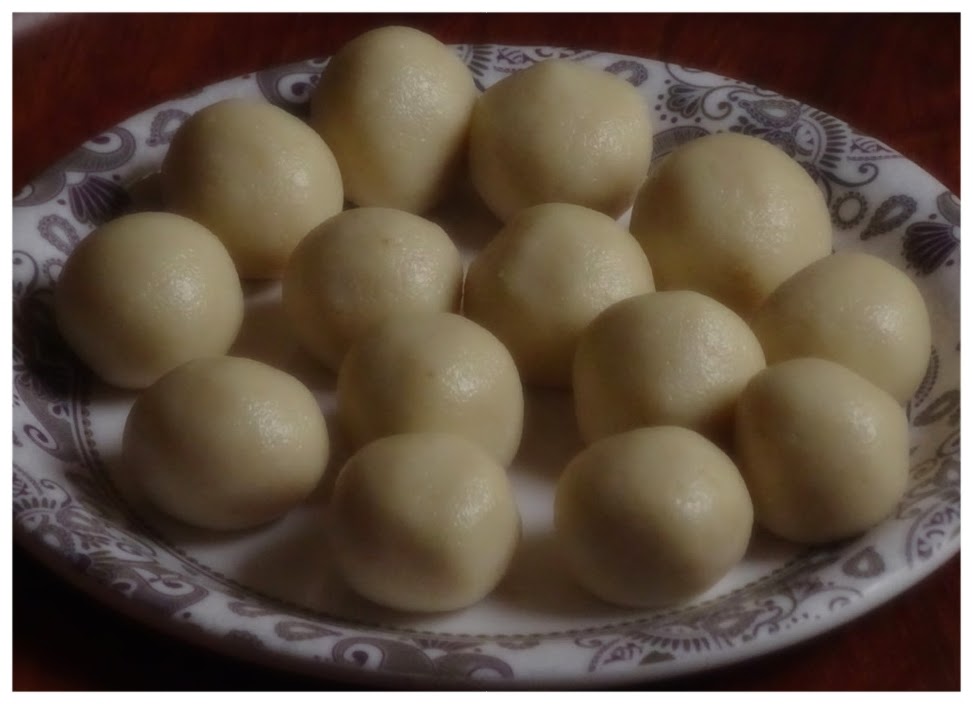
column 144, row 293
column 730, row 216
column 423, row 522
column 854, row 309
column 362, row 266
column 545, row 276
column 652, row 516
column 825, row 453
column 395, row 106
column 670, row 358
column 255, row 175
column 435, row 372
column 560, row 132
column 226, row 443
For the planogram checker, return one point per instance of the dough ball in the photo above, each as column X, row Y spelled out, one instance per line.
column 652, row 516
column 255, row 175
column 560, row 132
column 435, row 372
column 671, row 358
column 144, row 293
column 423, row 522
column 854, row 309
column 226, row 443
column 361, row 266
column 545, row 276
column 395, row 106
column 825, row 453
column 730, row 216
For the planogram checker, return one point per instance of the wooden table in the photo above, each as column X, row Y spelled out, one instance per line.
column 894, row 77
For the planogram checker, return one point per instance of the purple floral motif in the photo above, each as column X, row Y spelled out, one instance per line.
column 928, row 245
column 164, row 126
column 637, row 73
column 774, row 120
column 290, row 87
column 96, row 200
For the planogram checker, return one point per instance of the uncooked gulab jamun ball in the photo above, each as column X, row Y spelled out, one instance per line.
column 730, row 216
column 423, row 522
column 548, row 273
column 824, row 451
column 144, row 293
column 560, row 132
column 364, row 265
column 255, row 175
column 394, row 104
column 226, row 443
column 652, row 516
column 432, row 372
column 855, row 309
column 664, row 358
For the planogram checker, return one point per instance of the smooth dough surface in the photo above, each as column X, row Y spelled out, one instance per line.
column 560, row 132
column 144, row 293
column 436, row 372
column 395, row 106
column 665, row 358
column 825, row 453
column 652, row 516
column 226, row 443
column 854, row 309
column 545, row 276
column 362, row 266
column 423, row 522
column 730, row 216
column 255, row 175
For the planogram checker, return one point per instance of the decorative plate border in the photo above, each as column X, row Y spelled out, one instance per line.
column 67, row 511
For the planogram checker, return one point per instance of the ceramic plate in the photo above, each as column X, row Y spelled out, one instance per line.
column 270, row 594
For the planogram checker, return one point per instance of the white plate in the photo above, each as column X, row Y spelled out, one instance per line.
column 270, row 594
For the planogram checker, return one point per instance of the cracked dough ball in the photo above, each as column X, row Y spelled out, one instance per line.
column 560, row 132
column 652, row 516
column 670, row 358
column 144, row 293
column 423, row 522
column 824, row 451
column 226, row 443
column 255, row 175
column 545, row 276
column 854, row 309
column 362, row 266
column 730, row 216
column 435, row 372
column 395, row 106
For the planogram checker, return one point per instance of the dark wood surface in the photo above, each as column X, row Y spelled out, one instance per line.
column 894, row 77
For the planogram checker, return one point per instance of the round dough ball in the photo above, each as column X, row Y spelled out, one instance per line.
column 824, row 452
column 423, row 522
column 560, row 132
column 144, row 293
column 854, row 309
column 652, row 516
column 226, row 443
column 670, row 358
column 395, row 106
column 255, row 175
column 545, row 276
column 730, row 216
column 434, row 372
column 362, row 266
